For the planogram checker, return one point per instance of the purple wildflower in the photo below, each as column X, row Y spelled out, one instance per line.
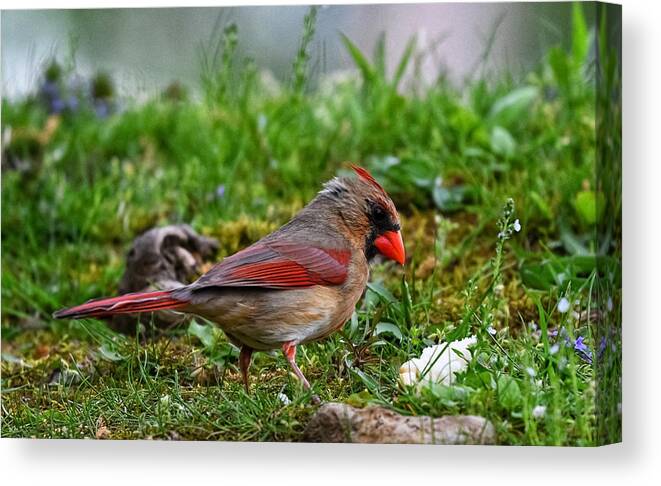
column 582, row 349
column 101, row 108
column 220, row 191
column 49, row 89
column 57, row 105
column 579, row 345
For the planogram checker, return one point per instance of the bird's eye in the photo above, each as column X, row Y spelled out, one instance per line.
column 378, row 214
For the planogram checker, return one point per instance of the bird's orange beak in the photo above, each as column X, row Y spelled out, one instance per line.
column 390, row 245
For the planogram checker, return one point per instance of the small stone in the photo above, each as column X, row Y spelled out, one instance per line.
column 339, row 422
column 102, row 431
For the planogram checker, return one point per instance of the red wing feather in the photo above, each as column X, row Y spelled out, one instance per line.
column 279, row 265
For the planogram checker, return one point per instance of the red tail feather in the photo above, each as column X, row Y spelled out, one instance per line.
column 124, row 304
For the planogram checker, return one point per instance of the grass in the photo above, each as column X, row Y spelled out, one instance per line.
column 79, row 185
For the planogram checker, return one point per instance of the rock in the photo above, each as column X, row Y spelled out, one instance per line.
column 161, row 259
column 339, row 422
column 102, row 430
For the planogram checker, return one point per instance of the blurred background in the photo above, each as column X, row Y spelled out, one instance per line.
column 146, row 49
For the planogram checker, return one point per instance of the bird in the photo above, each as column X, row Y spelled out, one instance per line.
column 298, row 284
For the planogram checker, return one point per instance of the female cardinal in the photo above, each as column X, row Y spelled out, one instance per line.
column 296, row 285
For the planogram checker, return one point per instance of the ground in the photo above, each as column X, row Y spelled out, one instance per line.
column 502, row 209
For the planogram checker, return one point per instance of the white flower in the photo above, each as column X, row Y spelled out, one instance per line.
column 563, row 305
column 554, row 349
column 437, row 364
column 539, row 411
column 491, row 330
column 284, row 399
column 517, row 225
column 531, row 372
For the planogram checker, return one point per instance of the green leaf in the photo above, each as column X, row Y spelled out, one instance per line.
column 502, row 143
column 382, row 292
column 361, row 61
column 558, row 271
column 359, row 400
column 205, row 333
column 589, row 206
column 450, row 395
column 353, row 326
column 509, row 393
column 560, row 67
column 580, row 37
column 404, row 61
column 585, row 203
column 572, row 244
column 388, row 327
column 511, row 107
column 110, row 354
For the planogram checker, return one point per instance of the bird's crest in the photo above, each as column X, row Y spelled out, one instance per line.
column 366, row 176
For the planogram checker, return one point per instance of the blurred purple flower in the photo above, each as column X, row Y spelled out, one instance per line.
column 101, row 108
column 57, row 105
column 72, row 103
column 49, row 89
column 220, row 191
column 582, row 349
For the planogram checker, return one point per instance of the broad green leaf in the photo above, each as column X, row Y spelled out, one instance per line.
column 509, row 393
column 388, row 327
column 450, row 395
column 360, row 399
column 558, row 271
column 204, row 332
column 382, row 292
column 511, row 107
column 585, row 203
column 109, row 354
column 560, row 67
column 589, row 206
column 502, row 143
column 572, row 243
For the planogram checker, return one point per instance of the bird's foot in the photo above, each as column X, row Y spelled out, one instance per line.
column 289, row 350
column 245, row 356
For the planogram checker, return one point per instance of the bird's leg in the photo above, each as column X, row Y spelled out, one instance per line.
column 289, row 350
column 244, row 364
